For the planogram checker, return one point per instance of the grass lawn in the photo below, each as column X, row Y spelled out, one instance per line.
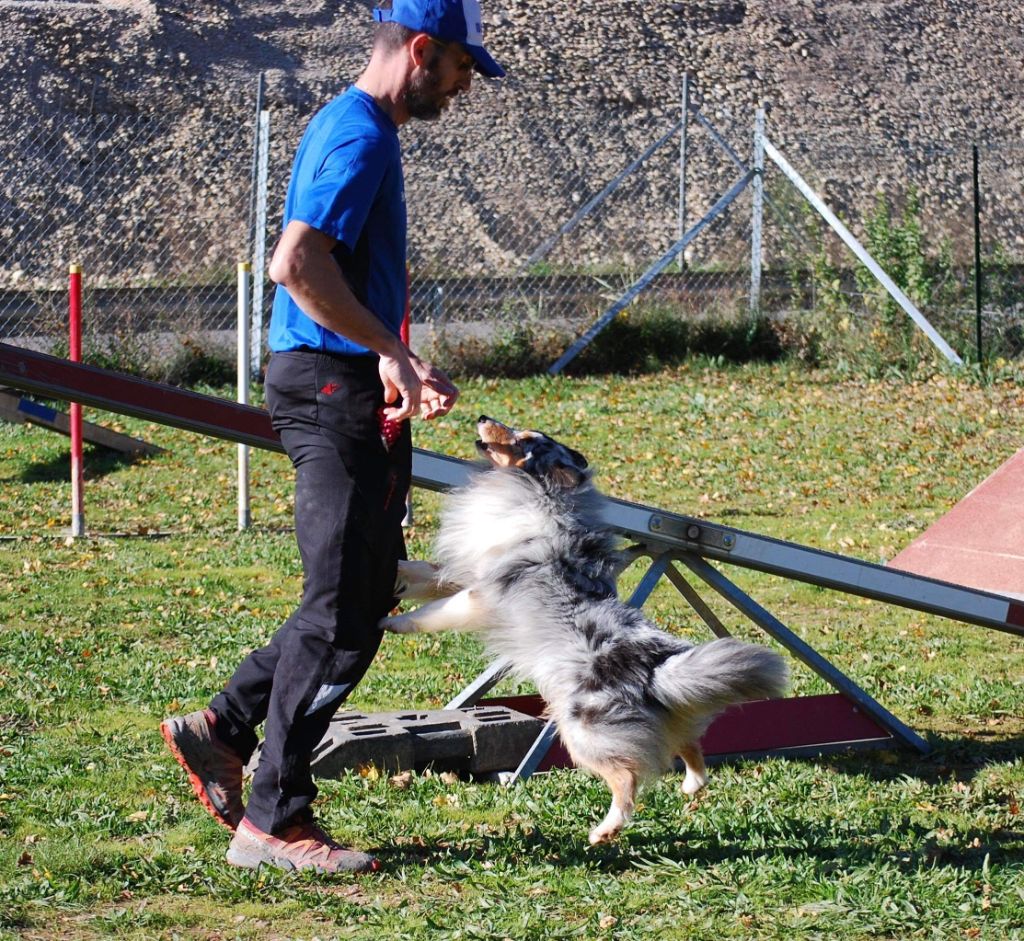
column 102, row 637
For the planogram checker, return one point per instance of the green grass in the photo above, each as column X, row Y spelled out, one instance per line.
column 100, row 638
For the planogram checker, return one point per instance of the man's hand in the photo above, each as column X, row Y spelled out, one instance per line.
column 423, row 388
column 438, row 393
column 402, row 385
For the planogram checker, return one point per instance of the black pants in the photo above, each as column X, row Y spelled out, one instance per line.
column 350, row 495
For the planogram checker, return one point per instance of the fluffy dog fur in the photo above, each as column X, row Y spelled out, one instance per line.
column 525, row 557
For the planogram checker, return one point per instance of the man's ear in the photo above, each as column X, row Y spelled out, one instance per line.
column 418, row 46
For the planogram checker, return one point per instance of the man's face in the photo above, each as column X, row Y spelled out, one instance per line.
column 447, row 70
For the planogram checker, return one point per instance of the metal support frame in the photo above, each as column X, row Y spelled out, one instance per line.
column 863, row 256
column 664, row 536
column 800, row 649
column 591, row 204
column 650, row 274
column 757, row 217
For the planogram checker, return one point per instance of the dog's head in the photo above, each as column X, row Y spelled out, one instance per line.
column 551, row 462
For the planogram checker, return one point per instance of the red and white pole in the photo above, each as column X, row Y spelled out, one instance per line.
column 75, row 355
column 244, row 374
column 404, row 336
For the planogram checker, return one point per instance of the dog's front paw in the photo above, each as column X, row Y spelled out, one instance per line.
column 416, row 579
column 398, row 624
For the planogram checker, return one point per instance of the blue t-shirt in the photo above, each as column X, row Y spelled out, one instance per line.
column 347, row 183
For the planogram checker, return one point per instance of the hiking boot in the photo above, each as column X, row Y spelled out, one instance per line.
column 300, row 846
column 214, row 770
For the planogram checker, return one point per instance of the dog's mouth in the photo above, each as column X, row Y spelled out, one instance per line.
column 498, row 443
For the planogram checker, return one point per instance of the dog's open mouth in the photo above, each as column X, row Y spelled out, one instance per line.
column 497, row 443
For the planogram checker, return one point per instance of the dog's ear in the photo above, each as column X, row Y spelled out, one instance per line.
column 565, row 476
column 566, row 468
column 579, row 459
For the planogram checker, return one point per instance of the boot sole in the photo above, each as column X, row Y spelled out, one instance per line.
column 197, row 785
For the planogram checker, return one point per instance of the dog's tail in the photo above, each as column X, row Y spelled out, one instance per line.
column 707, row 678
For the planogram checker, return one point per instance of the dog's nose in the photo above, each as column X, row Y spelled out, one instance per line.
column 482, row 419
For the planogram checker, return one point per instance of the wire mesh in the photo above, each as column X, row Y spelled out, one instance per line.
column 552, row 221
column 912, row 208
column 155, row 215
column 518, row 214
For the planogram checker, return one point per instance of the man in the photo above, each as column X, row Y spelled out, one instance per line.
column 340, row 387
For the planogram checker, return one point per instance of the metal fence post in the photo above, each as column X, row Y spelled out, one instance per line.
column 255, row 165
column 758, row 215
column 259, row 254
column 683, row 122
column 977, row 254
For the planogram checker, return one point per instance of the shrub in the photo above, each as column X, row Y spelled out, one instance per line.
column 641, row 339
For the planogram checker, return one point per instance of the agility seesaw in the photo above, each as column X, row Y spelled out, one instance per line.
column 799, row 725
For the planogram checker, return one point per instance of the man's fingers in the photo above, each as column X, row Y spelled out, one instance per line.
column 390, row 389
column 406, row 408
column 434, row 404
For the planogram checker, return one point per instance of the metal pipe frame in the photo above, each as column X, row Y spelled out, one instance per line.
column 860, row 252
column 650, row 274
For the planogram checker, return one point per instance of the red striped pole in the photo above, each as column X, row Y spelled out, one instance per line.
column 75, row 355
column 404, row 335
column 244, row 374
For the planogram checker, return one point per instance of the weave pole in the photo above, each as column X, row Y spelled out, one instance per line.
column 405, row 335
column 75, row 355
column 244, row 296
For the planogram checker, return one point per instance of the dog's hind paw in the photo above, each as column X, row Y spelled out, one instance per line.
column 604, row 834
column 693, row 783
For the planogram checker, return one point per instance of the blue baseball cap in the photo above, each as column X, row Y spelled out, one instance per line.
column 449, row 20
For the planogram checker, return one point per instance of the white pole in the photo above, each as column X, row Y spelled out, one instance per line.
column 260, row 243
column 757, row 221
column 244, row 298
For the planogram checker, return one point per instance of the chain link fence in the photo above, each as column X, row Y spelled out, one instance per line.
column 913, row 208
column 156, row 216
column 544, row 218
column 519, row 215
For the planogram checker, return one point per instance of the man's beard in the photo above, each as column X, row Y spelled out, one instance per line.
column 422, row 98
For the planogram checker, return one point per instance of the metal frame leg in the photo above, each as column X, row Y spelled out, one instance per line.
column 650, row 581
column 538, row 750
column 482, row 685
column 802, row 651
column 696, row 602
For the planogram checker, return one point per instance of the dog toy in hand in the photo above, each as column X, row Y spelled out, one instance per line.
column 390, row 430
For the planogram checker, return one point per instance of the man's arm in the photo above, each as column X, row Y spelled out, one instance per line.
column 303, row 264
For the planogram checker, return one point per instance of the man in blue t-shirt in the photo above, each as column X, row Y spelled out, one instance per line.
column 341, row 386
